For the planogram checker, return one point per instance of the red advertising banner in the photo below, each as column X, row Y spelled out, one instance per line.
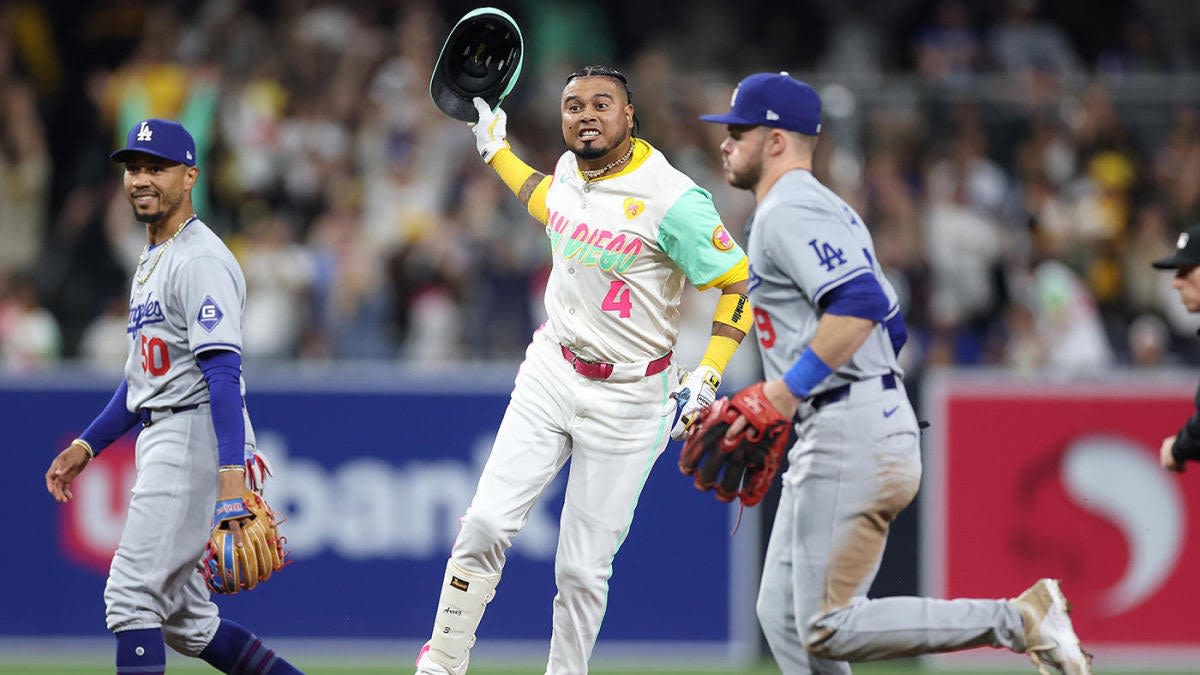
column 1029, row 478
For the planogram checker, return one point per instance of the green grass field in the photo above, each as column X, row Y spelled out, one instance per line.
column 871, row 669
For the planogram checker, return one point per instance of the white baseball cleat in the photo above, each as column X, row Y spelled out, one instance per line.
column 1050, row 640
column 427, row 666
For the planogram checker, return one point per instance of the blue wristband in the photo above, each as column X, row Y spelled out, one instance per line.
column 806, row 374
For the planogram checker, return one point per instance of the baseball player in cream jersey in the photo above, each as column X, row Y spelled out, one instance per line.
column 183, row 386
column 829, row 328
column 598, row 384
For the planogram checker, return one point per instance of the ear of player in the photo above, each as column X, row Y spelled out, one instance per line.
column 697, row 390
column 228, row 568
column 744, row 465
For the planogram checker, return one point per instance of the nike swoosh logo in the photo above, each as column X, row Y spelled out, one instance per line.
column 889, row 413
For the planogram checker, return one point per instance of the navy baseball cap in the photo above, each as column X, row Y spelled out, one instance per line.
column 773, row 100
column 161, row 138
column 1187, row 251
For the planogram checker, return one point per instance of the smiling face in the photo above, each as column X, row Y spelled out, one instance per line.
column 596, row 116
column 158, row 188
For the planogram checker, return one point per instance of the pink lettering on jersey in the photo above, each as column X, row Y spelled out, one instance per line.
column 578, row 238
column 592, row 247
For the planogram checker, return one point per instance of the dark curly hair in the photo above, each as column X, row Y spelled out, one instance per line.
column 608, row 71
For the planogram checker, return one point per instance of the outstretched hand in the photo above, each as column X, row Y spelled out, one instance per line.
column 490, row 130
column 66, row 466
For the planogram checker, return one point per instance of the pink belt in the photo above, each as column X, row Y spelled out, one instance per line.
column 602, row 371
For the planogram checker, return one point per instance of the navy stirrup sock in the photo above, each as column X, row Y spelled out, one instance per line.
column 141, row 652
column 237, row 651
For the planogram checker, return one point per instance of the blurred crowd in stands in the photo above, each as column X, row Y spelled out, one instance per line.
column 1020, row 164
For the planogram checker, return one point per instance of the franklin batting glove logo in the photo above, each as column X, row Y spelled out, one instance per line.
column 740, row 308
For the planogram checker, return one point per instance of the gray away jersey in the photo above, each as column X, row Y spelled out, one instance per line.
column 803, row 236
column 191, row 302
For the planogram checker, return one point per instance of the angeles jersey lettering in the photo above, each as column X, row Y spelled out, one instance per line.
column 192, row 302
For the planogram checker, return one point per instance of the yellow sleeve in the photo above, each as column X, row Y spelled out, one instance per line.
column 739, row 272
column 733, row 310
column 515, row 173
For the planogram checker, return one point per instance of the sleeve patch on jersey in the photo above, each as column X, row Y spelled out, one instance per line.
column 209, row 315
column 721, row 239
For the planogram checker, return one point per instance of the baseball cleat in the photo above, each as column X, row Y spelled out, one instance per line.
column 1050, row 640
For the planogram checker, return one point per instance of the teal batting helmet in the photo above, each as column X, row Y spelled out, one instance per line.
column 482, row 57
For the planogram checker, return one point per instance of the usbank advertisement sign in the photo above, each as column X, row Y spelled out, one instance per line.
column 372, row 482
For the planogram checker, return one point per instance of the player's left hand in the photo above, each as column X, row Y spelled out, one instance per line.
column 742, row 465
column 696, row 391
column 778, row 394
column 1166, row 456
column 66, row 466
column 490, row 130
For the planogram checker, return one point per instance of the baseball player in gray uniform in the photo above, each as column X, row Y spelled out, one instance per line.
column 829, row 329
column 598, row 384
column 183, row 385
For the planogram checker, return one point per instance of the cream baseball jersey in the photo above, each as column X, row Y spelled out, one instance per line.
column 623, row 247
column 188, row 296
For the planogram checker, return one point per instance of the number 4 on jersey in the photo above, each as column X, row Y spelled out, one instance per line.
column 617, row 299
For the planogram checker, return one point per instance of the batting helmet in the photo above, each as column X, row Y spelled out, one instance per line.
column 482, row 57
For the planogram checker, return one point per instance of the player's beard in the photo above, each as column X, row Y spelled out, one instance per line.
column 594, row 151
column 744, row 179
column 153, row 216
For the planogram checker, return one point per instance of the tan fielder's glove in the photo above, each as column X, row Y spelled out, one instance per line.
column 228, row 568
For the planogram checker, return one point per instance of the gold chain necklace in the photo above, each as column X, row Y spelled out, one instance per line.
column 596, row 173
column 141, row 279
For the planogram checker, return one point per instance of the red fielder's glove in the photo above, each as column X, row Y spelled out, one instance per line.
column 745, row 465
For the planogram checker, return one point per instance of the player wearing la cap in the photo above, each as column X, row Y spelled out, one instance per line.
column 195, row 452
column 627, row 231
column 829, row 329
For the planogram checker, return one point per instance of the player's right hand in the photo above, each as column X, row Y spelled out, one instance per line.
column 490, row 130
column 65, row 467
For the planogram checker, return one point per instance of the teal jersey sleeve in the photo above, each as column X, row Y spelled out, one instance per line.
column 692, row 235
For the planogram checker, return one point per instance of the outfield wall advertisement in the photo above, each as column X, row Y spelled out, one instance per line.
column 1027, row 479
column 372, row 473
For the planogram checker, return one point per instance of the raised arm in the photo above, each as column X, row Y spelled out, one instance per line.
column 528, row 185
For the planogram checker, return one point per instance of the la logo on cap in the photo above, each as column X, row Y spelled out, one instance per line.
column 1183, row 240
column 144, row 133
